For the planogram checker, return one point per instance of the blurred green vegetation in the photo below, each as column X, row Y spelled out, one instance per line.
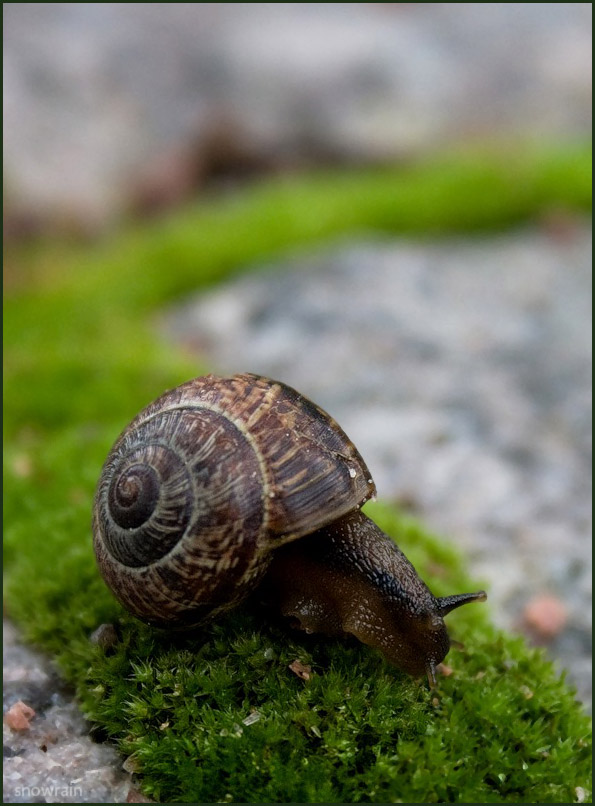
column 81, row 359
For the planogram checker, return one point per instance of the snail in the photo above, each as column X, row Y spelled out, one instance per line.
column 224, row 484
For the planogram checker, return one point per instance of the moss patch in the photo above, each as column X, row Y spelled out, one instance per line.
column 219, row 715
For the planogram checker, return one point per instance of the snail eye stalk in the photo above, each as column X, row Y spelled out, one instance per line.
column 448, row 603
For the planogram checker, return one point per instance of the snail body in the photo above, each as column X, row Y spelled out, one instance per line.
column 350, row 577
column 225, row 483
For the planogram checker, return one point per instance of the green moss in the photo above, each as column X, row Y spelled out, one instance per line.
column 185, row 715
column 219, row 715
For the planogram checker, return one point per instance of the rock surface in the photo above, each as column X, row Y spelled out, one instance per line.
column 53, row 760
column 461, row 370
column 102, row 98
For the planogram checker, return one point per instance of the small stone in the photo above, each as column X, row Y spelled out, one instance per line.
column 19, row 716
column 105, row 636
column 302, row 670
column 581, row 794
column 545, row 615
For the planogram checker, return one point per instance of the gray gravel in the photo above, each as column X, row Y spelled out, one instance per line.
column 461, row 370
column 101, row 95
column 54, row 761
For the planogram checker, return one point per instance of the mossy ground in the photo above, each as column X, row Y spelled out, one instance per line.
column 219, row 716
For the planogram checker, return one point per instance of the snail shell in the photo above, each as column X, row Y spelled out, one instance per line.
column 205, row 482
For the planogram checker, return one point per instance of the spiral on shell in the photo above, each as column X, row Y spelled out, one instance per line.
column 205, row 482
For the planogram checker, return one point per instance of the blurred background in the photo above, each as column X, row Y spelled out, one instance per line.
column 110, row 107
column 459, row 365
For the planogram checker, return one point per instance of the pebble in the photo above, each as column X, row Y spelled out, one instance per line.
column 19, row 716
column 546, row 615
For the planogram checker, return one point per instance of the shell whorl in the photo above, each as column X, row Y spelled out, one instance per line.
column 205, row 481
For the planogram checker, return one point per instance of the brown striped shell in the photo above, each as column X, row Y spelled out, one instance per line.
column 206, row 482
